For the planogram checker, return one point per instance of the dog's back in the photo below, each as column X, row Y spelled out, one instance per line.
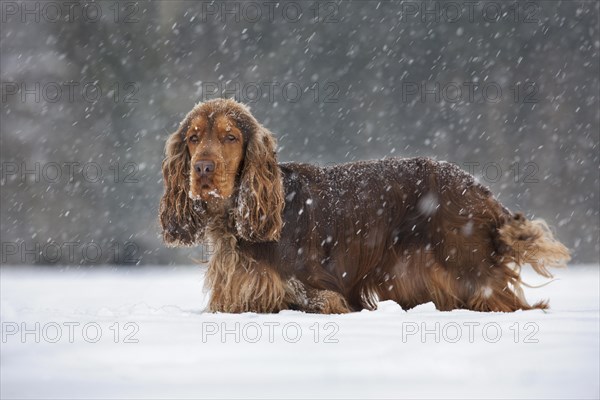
column 411, row 230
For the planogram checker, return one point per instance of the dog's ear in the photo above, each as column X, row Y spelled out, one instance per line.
column 182, row 219
column 260, row 202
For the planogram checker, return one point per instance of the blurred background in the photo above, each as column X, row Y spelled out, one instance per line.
column 91, row 90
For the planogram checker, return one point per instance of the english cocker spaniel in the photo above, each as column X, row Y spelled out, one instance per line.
column 340, row 238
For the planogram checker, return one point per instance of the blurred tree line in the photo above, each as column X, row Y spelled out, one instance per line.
column 513, row 100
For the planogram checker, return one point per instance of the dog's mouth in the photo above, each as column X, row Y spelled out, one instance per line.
column 204, row 189
column 208, row 191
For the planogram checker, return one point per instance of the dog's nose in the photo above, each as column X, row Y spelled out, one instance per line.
column 204, row 167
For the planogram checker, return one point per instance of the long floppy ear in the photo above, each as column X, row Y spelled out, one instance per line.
column 182, row 219
column 260, row 202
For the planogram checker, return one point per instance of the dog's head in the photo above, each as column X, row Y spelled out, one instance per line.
column 221, row 155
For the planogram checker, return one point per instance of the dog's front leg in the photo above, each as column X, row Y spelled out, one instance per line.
column 245, row 286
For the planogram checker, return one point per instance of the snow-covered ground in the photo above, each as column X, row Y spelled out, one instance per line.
column 142, row 334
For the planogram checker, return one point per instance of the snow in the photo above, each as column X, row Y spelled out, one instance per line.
column 167, row 347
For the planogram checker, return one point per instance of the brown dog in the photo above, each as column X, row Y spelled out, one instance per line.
column 338, row 239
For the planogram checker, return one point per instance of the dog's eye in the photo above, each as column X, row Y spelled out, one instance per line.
column 194, row 139
column 230, row 138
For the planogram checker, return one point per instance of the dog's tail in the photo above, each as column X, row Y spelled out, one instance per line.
column 532, row 242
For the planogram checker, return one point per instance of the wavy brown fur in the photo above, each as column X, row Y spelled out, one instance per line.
column 261, row 202
column 239, row 283
column 182, row 220
column 532, row 242
column 341, row 238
